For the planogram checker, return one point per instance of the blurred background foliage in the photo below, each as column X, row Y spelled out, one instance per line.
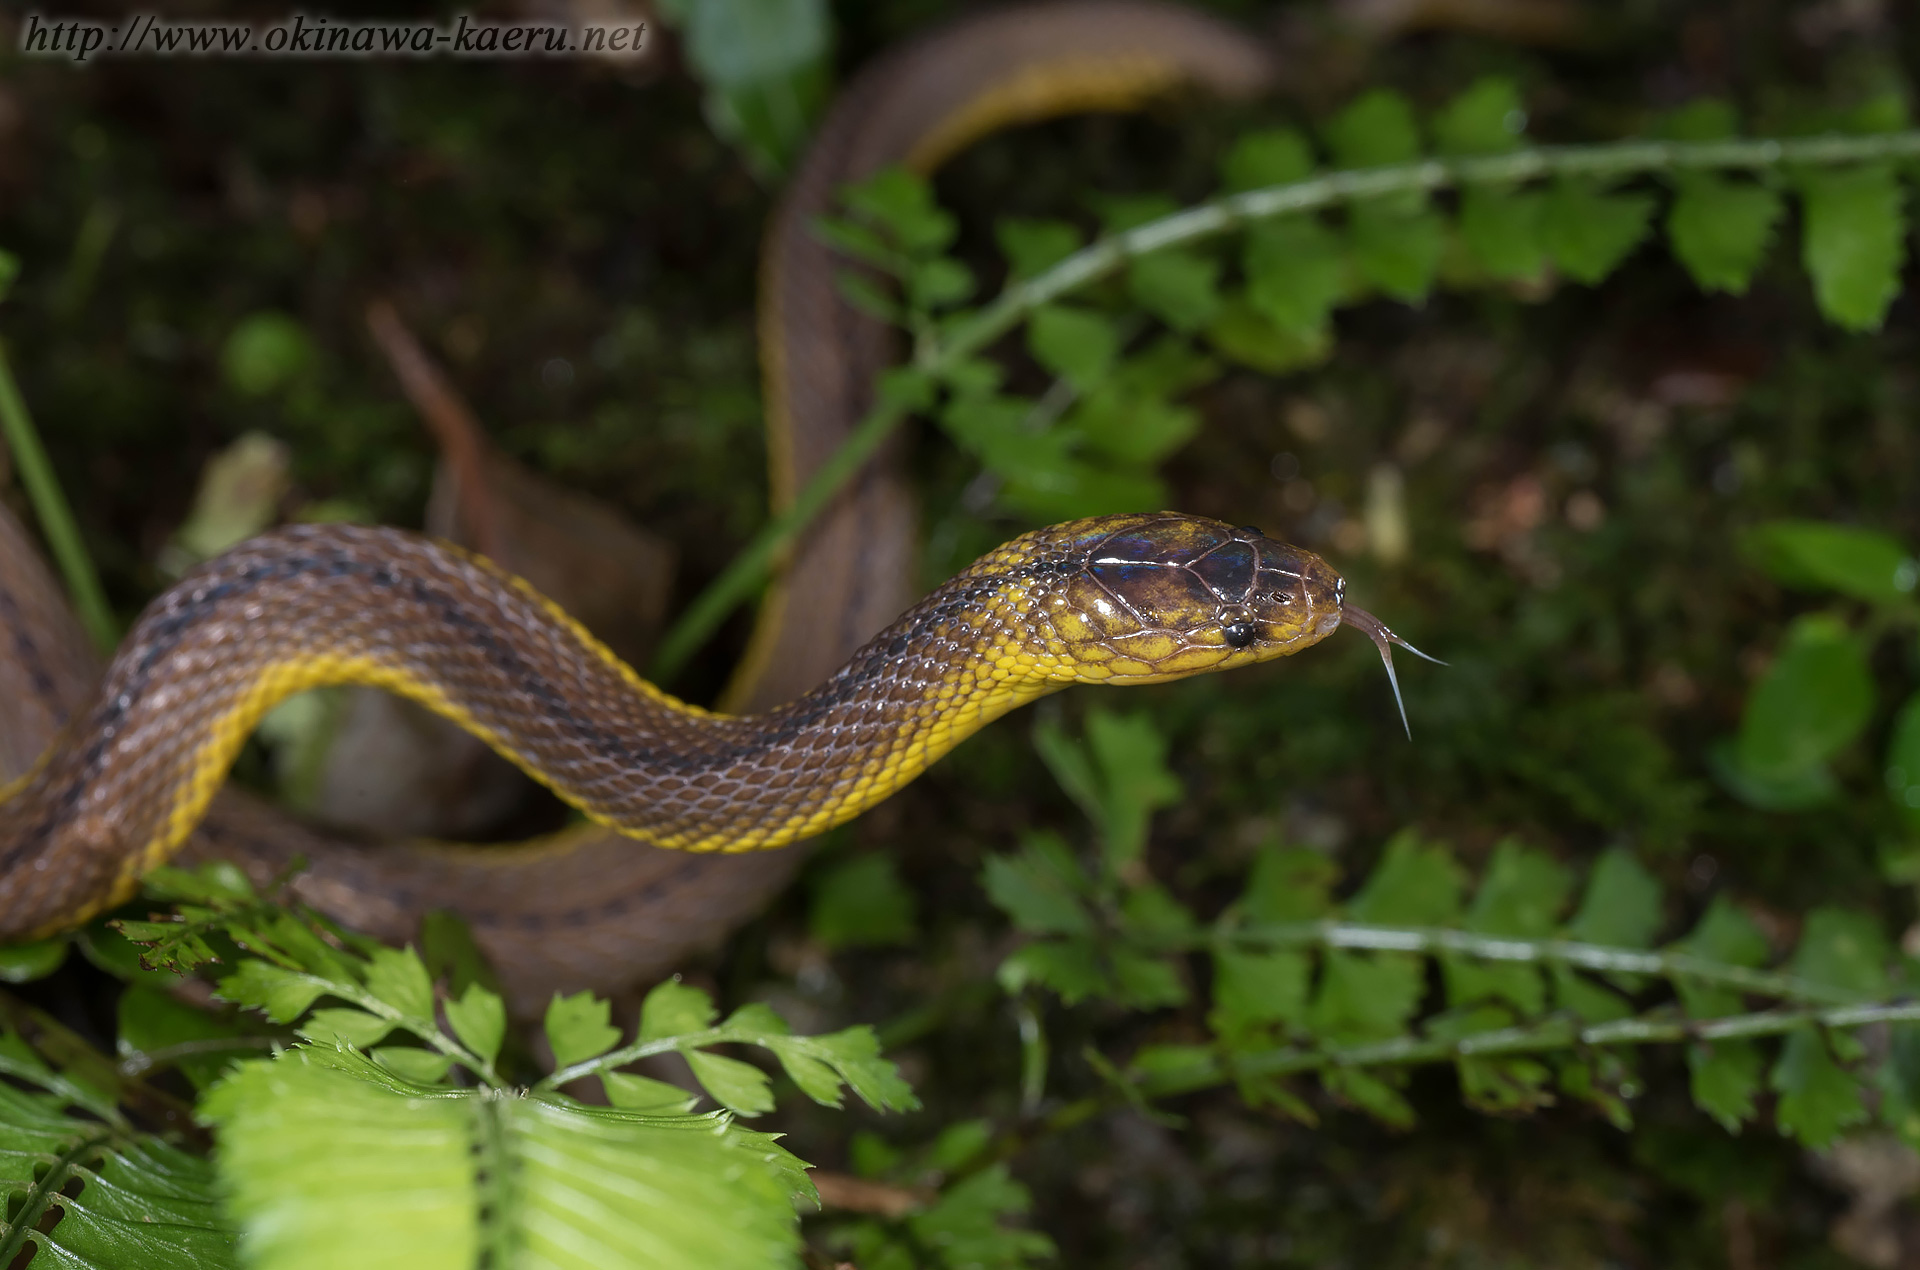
column 1554, row 487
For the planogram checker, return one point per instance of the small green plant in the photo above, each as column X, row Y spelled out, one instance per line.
column 1125, row 323
column 1534, row 987
column 393, row 1124
column 1818, row 697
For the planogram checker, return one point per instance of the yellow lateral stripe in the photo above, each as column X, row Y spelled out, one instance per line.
column 1064, row 86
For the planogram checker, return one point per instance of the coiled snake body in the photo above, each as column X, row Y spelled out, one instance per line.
column 115, row 774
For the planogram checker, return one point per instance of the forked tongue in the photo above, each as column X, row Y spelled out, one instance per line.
column 1376, row 630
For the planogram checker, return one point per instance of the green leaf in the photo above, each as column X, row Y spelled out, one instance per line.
column 1288, row 884
column 1375, row 130
column 452, row 955
column 398, row 977
column 1621, row 906
column 671, row 1009
column 23, row 963
column 1296, row 273
column 1034, row 246
column 734, row 1084
column 1522, row 894
column 151, row 1020
column 820, row 1064
column 1845, row 950
column 1590, row 1002
column 1397, row 251
column 410, row 1062
column 1040, row 889
column 1811, row 703
column 1903, row 760
column 998, row 431
column 1854, row 242
column 265, row 353
column 1130, row 427
column 479, row 1019
column 1813, row 554
column 1704, row 119
column 1415, row 884
column 1725, row 934
column 868, row 296
column 861, row 242
column 1725, row 1080
column 1121, row 212
column 1131, row 755
column 346, row 1026
column 9, row 273
column 97, row 1196
column 1488, row 118
column 1501, row 227
column 1249, row 337
column 1720, row 228
column 1180, row 288
column 1271, row 156
column 901, row 203
column 1251, row 989
column 577, row 1028
column 965, row 1226
column 283, row 995
column 1504, row 1084
column 643, row 1093
column 1078, row 345
column 1145, row 982
column 1588, row 232
column 1070, row 967
column 1367, row 996
column 314, row 1135
column 1371, row 1092
column 938, row 283
column 1818, row 1098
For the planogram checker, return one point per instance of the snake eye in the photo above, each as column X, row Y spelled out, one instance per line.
column 1238, row 634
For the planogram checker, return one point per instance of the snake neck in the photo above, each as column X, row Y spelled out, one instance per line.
column 313, row 606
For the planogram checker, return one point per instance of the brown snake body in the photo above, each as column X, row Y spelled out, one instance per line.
column 590, row 907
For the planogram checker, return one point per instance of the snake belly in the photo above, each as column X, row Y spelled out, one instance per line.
column 590, row 907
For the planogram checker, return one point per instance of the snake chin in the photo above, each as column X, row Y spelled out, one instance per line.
column 1164, row 596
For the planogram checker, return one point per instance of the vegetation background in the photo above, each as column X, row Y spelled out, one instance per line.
column 1550, row 485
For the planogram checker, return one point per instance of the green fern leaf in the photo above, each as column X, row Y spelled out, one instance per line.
column 1397, row 250
column 111, row 1197
column 1818, row 1098
column 1726, row 1080
column 1273, row 156
column 1501, row 227
column 1854, row 241
column 1296, row 273
column 1488, row 118
column 332, row 1161
column 1720, row 229
column 1588, row 231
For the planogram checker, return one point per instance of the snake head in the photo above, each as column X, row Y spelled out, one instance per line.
column 1155, row 597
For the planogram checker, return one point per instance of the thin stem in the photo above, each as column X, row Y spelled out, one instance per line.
column 974, row 332
column 748, row 571
column 55, row 516
column 1553, row 1034
column 647, row 1049
column 1566, row 952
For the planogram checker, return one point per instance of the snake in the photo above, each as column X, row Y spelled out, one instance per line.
column 838, row 701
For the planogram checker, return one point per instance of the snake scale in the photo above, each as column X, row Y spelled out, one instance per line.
column 112, row 774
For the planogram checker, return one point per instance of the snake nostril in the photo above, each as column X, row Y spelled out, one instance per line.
column 1238, row 634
